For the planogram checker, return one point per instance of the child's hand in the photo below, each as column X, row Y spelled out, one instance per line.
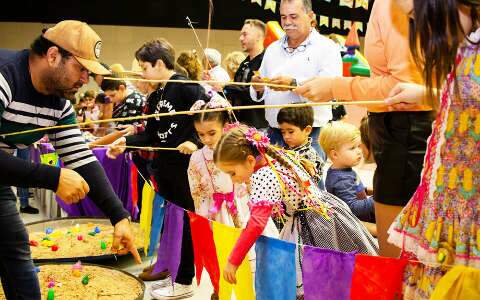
column 229, row 273
column 116, row 148
column 187, row 148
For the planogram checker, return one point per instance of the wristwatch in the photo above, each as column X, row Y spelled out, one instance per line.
column 294, row 82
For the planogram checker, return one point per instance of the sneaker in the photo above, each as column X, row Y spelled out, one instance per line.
column 29, row 210
column 175, row 291
column 162, row 283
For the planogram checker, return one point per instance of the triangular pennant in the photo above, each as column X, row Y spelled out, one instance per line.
column 225, row 239
column 205, row 254
column 259, row 2
column 332, row 269
column 336, row 23
column 361, row 3
column 348, row 3
column 323, row 21
column 158, row 213
column 271, row 4
column 376, row 277
column 269, row 282
column 170, row 248
column 347, row 24
column 360, row 26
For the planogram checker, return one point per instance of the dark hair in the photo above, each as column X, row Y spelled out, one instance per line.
column 89, row 93
column 297, row 116
column 220, row 116
column 365, row 137
column 157, row 49
column 101, row 98
column 112, row 85
column 41, row 45
column 435, row 35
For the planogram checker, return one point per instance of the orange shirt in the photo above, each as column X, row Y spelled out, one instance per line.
column 388, row 53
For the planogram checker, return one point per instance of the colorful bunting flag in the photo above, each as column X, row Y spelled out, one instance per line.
column 271, row 4
column 158, row 213
column 348, row 3
column 323, row 21
column 327, row 274
column 361, row 3
column 50, row 159
column 347, row 24
column 275, row 280
column 259, row 2
column 148, row 195
column 459, row 283
column 204, row 249
column 376, row 277
column 225, row 238
column 170, row 248
column 134, row 189
column 359, row 26
column 336, row 23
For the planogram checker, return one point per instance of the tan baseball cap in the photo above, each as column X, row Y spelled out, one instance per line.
column 79, row 39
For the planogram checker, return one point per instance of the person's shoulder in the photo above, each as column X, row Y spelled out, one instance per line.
column 322, row 41
column 8, row 57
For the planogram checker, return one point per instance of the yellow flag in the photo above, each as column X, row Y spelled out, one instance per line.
column 271, row 4
column 347, row 24
column 348, row 3
column 336, row 23
column 459, row 283
column 323, row 21
column 225, row 238
column 359, row 26
column 148, row 193
column 259, row 2
column 361, row 3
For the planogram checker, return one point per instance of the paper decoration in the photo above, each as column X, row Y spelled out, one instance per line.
column 347, row 24
column 158, row 213
column 459, row 283
column 225, row 238
column 359, row 26
column 148, row 194
column 204, row 249
column 376, row 277
column 170, row 248
column 323, row 21
column 361, row 3
column 271, row 4
column 50, row 159
column 319, row 279
column 348, row 3
column 259, row 2
column 336, row 23
column 275, row 280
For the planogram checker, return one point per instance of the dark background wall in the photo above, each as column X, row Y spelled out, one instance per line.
column 228, row 14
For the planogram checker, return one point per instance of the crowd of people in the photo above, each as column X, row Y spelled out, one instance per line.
column 286, row 173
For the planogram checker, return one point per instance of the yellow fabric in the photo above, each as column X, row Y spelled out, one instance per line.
column 459, row 283
column 148, row 193
column 49, row 159
column 225, row 238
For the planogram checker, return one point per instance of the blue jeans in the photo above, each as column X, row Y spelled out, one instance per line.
column 23, row 192
column 19, row 279
column 276, row 138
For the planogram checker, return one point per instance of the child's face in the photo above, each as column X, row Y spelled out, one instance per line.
column 293, row 135
column 209, row 132
column 149, row 71
column 240, row 172
column 348, row 154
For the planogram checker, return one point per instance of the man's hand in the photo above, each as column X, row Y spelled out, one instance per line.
column 229, row 273
column 71, row 186
column 317, row 89
column 122, row 235
column 260, row 89
column 281, row 80
column 116, row 148
column 187, row 147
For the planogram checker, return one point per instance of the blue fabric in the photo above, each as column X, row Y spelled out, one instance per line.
column 23, row 192
column 346, row 185
column 275, row 276
column 158, row 213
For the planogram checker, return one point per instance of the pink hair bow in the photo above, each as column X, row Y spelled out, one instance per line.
column 219, row 198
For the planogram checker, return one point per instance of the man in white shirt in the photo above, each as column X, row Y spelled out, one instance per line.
column 299, row 55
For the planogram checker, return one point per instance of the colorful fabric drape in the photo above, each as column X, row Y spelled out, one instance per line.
column 459, row 283
column 204, row 249
column 275, row 270
column 376, row 277
column 148, row 194
column 320, row 281
column 158, row 213
column 225, row 238
column 170, row 248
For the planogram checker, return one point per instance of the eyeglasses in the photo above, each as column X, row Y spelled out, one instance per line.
column 291, row 50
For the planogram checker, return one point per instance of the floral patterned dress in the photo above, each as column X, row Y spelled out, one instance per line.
column 441, row 223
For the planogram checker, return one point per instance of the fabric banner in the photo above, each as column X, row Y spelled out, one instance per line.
column 204, row 249
column 225, row 238
column 323, row 21
column 376, row 277
column 170, row 249
column 158, row 213
column 459, row 283
column 148, row 194
column 327, row 274
column 275, row 270
column 271, row 4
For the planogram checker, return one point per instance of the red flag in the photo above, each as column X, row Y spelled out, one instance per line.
column 376, row 277
column 205, row 253
column 134, row 179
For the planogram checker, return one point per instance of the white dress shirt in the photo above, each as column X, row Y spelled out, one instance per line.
column 316, row 56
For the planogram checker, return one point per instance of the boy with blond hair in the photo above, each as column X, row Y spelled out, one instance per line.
column 341, row 142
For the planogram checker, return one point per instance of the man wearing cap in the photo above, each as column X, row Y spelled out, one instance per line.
column 34, row 87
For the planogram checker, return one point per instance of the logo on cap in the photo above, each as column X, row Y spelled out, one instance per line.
column 97, row 49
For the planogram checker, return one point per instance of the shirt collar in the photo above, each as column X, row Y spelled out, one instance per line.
column 305, row 43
